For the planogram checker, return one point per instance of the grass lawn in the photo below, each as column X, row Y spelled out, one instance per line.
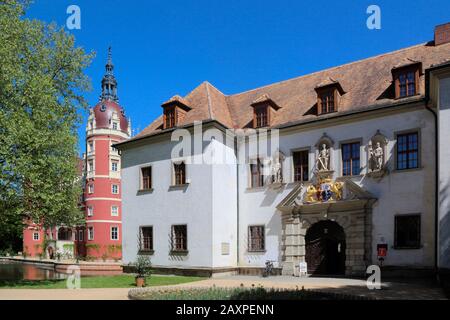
column 120, row 281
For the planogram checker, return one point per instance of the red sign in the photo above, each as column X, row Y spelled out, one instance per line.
column 382, row 250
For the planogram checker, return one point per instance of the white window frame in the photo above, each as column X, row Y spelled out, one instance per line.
column 187, row 181
column 111, row 233
column 90, row 236
column 114, row 162
column 91, row 166
column 91, row 188
column 38, row 236
column 114, row 150
column 90, row 211
column 112, row 211
column 112, row 189
column 116, row 125
column 90, row 146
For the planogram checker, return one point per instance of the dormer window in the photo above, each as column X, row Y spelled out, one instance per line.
column 406, row 80
column 261, row 117
column 174, row 111
column 327, row 101
column 329, row 92
column 169, row 117
column 264, row 109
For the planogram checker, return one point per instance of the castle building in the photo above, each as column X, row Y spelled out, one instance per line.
column 100, row 237
column 350, row 170
column 106, row 125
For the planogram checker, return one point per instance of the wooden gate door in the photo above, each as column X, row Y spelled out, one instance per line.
column 315, row 256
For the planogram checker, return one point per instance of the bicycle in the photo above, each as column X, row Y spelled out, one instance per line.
column 268, row 268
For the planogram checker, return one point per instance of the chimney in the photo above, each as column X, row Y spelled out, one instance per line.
column 442, row 34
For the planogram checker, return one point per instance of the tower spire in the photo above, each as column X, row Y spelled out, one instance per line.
column 109, row 82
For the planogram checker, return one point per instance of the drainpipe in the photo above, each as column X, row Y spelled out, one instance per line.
column 237, row 202
column 436, row 173
column 436, row 186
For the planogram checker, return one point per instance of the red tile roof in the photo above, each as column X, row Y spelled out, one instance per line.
column 366, row 83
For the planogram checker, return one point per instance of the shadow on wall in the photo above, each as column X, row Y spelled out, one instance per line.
column 141, row 153
column 444, row 228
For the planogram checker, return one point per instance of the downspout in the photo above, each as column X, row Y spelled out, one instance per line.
column 237, row 202
column 436, row 173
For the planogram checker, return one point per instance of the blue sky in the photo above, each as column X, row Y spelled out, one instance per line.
column 163, row 48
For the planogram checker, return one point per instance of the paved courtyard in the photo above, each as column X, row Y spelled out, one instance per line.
column 390, row 289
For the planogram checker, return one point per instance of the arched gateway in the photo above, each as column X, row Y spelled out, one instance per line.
column 325, row 248
column 332, row 234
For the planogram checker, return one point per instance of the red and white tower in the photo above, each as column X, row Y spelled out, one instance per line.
column 106, row 126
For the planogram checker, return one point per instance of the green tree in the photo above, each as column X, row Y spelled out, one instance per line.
column 41, row 86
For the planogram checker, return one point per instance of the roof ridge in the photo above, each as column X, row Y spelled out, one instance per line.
column 209, row 99
column 331, row 68
column 214, row 87
column 225, row 100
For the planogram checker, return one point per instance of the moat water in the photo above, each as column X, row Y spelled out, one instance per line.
column 26, row 271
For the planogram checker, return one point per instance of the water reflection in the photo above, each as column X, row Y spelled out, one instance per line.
column 22, row 271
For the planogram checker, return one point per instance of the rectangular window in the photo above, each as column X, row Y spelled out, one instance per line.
column 80, row 235
column 146, row 239
column 90, row 146
column 113, row 149
column 146, row 174
column 180, row 173
column 114, row 233
column 350, row 159
column 261, row 116
column 408, row 151
column 36, row 236
column 257, row 177
column 90, row 233
column 91, row 188
column 90, row 211
column 301, row 168
column 327, row 103
column 91, row 166
column 115, row 125
column 114, row 211
column 115, row 166
column 115, row 189
column 407, row 84
column 407, row 231
column 256, row 235
column 169, row 118
column 179, row 238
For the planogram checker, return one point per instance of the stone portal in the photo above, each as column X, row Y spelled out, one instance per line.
column 350, row 212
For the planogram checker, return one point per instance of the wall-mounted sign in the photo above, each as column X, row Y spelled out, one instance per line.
column 382, row 250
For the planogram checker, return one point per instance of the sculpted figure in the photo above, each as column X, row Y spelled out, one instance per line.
column 311, row 192
column 324, row 159
column 277, row 176
column 378, row 154
column 337, row 189
column 376, row 157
